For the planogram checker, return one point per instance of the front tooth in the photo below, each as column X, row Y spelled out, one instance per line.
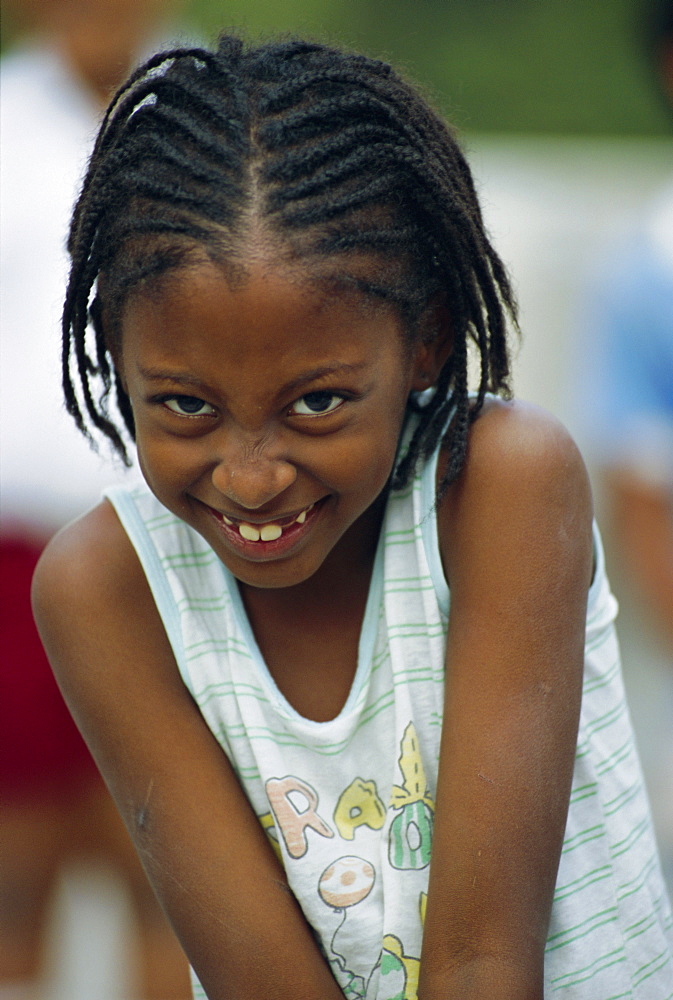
column 270, row 532
column 226, row 520
column 248, row 532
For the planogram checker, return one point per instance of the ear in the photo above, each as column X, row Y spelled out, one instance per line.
column 434, row 344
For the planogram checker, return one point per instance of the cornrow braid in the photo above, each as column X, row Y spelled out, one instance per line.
column 332, row 157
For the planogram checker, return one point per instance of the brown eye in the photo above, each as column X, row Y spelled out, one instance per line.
column 188, row 406
column 317, row 402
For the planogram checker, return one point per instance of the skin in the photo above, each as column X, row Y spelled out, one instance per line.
column 513, row 674
column 512, row 703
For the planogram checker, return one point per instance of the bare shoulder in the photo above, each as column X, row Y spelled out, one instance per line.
column 524, row 480
column 511, row 439
column 86, row 569
column 92, row 604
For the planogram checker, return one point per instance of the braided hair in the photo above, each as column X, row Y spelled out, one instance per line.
column 331, row 157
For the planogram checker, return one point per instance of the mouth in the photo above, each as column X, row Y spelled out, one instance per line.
column 267, row 539
column 266, row 531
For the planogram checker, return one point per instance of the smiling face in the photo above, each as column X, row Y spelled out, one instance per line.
column 267, row 413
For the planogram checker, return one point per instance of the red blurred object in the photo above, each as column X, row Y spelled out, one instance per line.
column 41, row 750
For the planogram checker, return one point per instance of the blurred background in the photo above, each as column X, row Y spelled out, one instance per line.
column 566, row 112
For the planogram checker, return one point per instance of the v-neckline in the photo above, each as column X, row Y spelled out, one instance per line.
column 366, row 644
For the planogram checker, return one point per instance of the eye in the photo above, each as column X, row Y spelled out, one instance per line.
column 316, row 402
column 188, row 406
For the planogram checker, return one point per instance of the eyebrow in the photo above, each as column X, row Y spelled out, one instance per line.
column 313, row 375
column 164, row 375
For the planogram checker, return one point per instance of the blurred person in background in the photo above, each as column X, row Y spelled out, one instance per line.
column 55, row 809
column 627, row 404
column 633, row 313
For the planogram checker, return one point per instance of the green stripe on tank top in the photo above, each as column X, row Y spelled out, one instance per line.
column 401, row 631
column 185, row 560
column 650, row 968
column 634, row 836
column 227, row 689
column 583, row 882
column 602, row 722
column 195, row 650
column 236, row 642
column 206, row 604
column 637, row 883
column 584, row 792
column 583, row 975
column 621, row 754
column 619, row 801
column 583, row 837
column 571, row 934
column 641, row 927
column 604, row 634
column 161, row 521
column 594, row 683
column 402, row 536
column 418, row 588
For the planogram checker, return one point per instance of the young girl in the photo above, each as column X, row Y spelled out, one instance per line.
column 357, row 615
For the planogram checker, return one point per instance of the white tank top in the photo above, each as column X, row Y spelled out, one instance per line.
column 349, row 804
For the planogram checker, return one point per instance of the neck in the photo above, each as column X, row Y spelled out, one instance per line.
column 346, row 571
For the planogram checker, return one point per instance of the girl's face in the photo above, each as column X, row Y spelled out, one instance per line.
column 267, row 414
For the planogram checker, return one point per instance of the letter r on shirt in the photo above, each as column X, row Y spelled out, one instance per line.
column 294, row 804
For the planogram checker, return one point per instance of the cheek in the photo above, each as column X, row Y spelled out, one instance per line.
column 169, row 465
column 361, row 464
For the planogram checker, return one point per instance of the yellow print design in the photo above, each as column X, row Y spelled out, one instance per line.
column 410, row 842
column 269, row 827
column 294, row 819
column 398, row 972
column 359, row 805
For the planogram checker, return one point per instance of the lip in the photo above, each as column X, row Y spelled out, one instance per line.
column 258, row 522
column 293, row 535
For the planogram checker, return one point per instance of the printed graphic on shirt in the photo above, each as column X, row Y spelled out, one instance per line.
column 359, row 805
column 343, row 884
column 294, row 804
column 410, row 839
column 269, row 827
column 398, row 973
column 297, row 821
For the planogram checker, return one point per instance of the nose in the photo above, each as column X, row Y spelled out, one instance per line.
column 252, row 477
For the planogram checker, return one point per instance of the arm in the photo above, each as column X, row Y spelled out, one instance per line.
column 515, row 537
column 199, row 840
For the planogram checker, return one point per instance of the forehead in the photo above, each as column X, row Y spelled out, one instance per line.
column 283, row 311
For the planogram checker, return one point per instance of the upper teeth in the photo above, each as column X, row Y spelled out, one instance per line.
column 268, row 532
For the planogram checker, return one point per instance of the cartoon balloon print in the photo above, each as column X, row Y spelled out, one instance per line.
column 344, row 883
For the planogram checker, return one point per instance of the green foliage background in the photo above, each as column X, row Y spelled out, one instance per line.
column 565, row 67
column 553, row 66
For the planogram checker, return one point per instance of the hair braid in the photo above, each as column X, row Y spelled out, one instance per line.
column 327, row 154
